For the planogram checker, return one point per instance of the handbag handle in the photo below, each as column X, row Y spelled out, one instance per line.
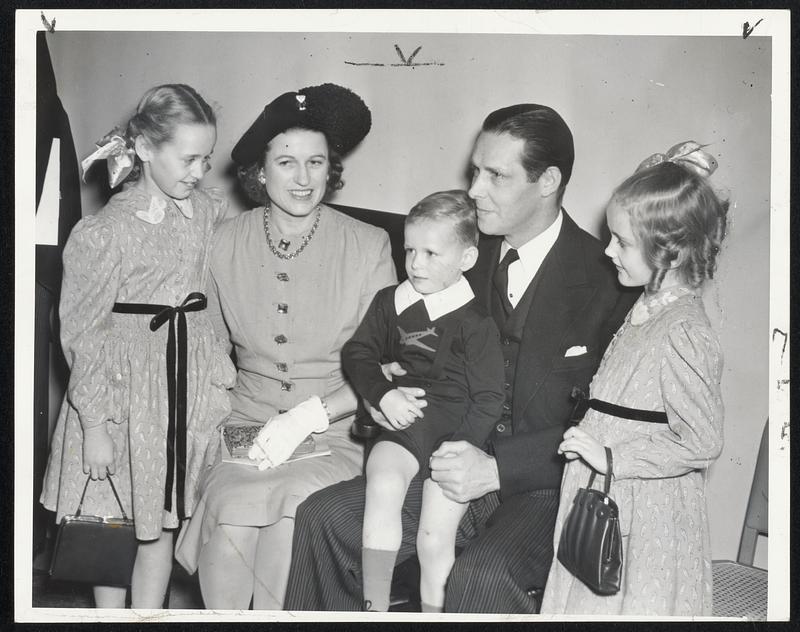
column 113, row 489
column 607, row 483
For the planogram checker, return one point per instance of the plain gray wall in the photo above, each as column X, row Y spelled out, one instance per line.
column 624, row 97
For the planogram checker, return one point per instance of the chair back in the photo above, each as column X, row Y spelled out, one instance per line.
column 757, row 515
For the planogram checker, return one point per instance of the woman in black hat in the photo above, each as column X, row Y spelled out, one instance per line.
column 290, row 281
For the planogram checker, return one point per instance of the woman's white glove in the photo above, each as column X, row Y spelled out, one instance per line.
column 281, row 435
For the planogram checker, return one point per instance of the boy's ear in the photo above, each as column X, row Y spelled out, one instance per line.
column 468, row 258
column 550, row 180
column 143, row 148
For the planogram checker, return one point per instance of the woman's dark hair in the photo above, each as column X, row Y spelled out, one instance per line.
column 675, row 215
column 160, row 111
column 257, row 192
column 454, row 206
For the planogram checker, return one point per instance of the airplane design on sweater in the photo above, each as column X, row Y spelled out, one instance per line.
column 412, row 338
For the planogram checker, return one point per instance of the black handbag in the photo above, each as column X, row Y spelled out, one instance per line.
column 95, row 550
column 591, row 542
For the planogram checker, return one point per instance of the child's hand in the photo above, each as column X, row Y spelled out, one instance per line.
column 98, row 452
column 400, row 408
column 579, row 443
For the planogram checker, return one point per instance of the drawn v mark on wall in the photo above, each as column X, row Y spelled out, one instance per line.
column 407, row 62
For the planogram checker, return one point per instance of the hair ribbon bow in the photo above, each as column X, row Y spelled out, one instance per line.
column 688, row 154
column 114, row 149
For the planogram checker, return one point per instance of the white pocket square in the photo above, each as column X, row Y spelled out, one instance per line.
column 574, row 351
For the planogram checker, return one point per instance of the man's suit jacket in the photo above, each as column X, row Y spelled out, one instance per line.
column 577, row 302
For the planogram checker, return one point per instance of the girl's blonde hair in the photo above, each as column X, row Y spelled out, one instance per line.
column 676, row 216
column 160, row 111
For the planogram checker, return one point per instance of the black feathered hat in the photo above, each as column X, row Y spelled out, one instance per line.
column 335, row 111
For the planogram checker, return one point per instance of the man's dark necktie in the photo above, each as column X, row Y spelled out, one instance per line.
column 500, row 278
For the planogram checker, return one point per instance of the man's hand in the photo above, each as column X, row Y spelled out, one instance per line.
column 463, row 471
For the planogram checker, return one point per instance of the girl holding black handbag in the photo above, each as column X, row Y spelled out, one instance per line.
column 655, row 410
column 148, row 376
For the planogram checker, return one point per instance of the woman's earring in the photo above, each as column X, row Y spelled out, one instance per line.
column 262, row 178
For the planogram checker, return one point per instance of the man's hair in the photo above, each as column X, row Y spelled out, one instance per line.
column 547, row 138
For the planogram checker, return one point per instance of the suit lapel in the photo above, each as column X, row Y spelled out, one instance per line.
column 480, row 277
column 562, row 290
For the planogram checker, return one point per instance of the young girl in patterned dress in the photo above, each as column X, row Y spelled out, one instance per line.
column 148, row 377
column 666, row 226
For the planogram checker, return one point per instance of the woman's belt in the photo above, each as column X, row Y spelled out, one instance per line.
column 176, row 385
column 583, row 403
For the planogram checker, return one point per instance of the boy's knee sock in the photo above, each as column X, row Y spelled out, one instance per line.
column 426, row 607
column 377, row 568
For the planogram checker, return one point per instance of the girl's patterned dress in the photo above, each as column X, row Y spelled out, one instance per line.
column 664, row 357
column 137, row 249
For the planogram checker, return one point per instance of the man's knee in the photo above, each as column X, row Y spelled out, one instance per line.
column 327, row 508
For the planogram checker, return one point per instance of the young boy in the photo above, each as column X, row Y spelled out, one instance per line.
column 450, row 347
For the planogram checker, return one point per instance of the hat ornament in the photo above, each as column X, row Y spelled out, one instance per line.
column 301, row 102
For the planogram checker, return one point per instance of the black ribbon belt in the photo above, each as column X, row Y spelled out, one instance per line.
column 583, row 403
column 176, row 385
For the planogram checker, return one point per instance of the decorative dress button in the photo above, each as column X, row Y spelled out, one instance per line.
column 283, row 410
column 506, row 341
column 286, row 386
column 506, row 363
column 507, row 386
column 118, row 377
column 283, row 308
column 280, row 339
column 501, row 428
column 506, row 406
column 282, row 276
column 282, row 366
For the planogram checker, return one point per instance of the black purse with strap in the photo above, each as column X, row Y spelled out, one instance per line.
column 95, row 550
column 591, row 542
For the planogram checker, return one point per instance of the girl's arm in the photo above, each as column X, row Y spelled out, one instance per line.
column 88, row 292
column 92, row 268
column 690, row 386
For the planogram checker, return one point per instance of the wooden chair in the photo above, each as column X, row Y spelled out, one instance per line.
column 740, row 589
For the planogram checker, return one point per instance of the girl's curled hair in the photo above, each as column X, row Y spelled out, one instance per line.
column 160, row 111
column 676, row 216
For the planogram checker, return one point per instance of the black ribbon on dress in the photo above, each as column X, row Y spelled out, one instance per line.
column 583, row 403
column 176, row 385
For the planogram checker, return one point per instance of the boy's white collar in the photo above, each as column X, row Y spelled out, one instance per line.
column 439, row 303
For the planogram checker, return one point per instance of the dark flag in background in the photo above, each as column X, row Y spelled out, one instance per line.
column 52, row 123
column 63, row 202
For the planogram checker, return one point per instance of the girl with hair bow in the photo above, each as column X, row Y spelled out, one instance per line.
column 148, row 377
column 655, row 400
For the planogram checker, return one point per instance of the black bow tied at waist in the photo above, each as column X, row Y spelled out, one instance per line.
column 176, row 385
column 583, row 403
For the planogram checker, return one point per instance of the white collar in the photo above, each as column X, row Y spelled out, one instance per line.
column 534, row 250
column 439, row 303
column 158, row 207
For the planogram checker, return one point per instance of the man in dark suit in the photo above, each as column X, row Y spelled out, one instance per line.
column 556, row 302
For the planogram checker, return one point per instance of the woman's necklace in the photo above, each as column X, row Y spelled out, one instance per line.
column 303, row 243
